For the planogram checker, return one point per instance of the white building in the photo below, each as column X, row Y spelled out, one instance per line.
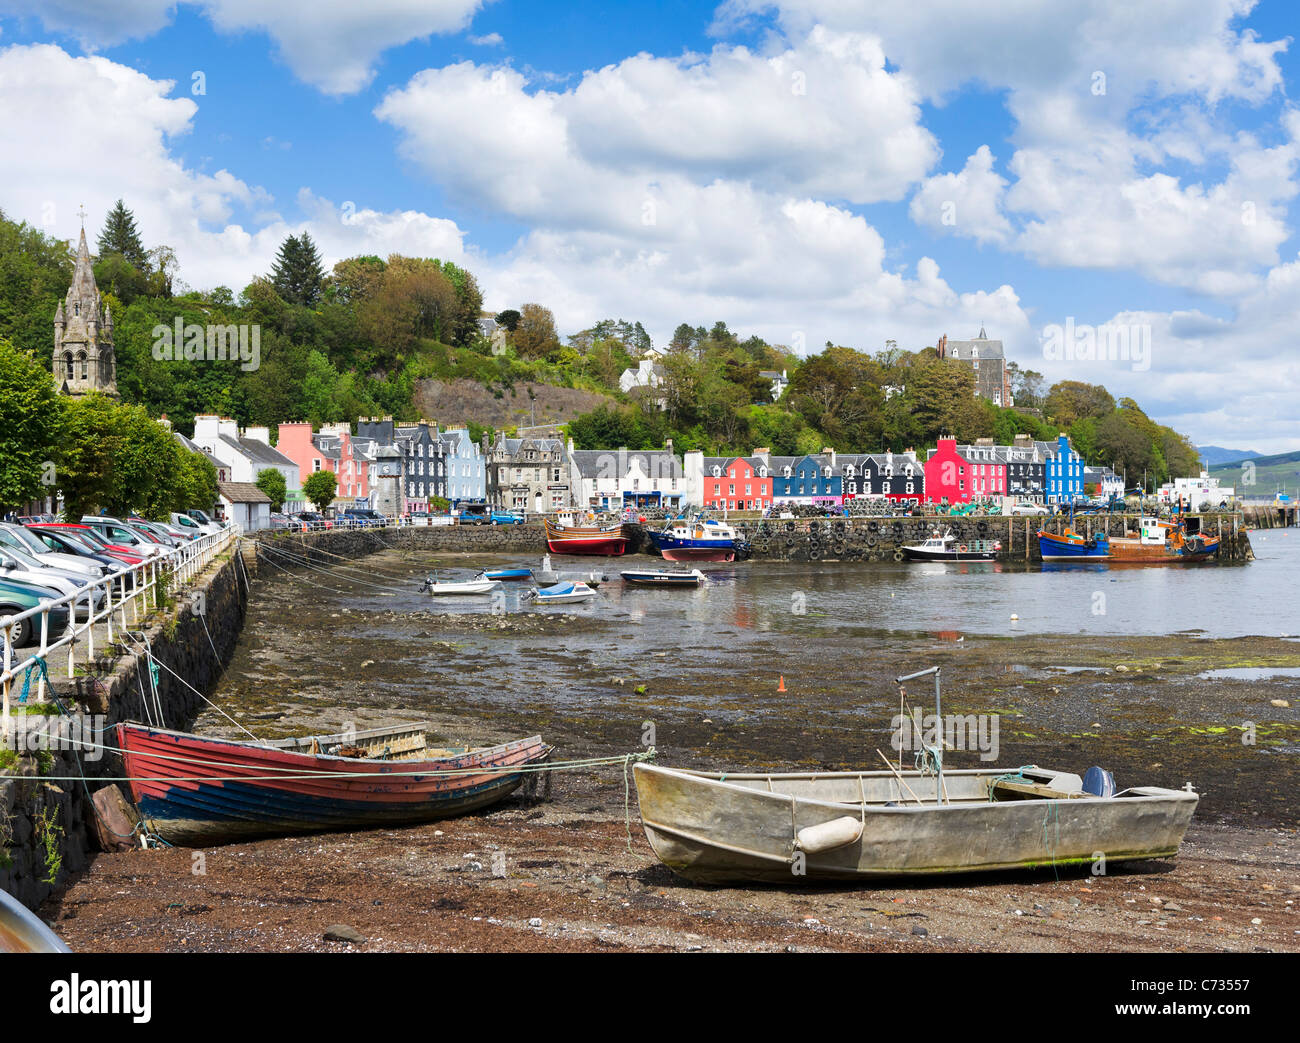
column 779, row 382
column 612, row 479
column 244, row 505
column 648, row 374
column 245, row 453
column 1196, row 494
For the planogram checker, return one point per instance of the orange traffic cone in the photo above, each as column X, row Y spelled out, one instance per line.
column 781, row 686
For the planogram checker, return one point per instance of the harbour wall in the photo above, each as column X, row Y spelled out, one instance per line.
column 864, row 540
column 47, row 822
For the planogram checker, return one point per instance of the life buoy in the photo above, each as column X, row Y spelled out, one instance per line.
column 961, row 548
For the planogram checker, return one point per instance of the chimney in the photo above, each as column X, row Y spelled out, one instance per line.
column 668, row 445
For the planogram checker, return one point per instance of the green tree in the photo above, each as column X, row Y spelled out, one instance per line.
column 320, row 488
column 297, row 274
column 120, row 236
column 272, row 482
column 31, row 422
column 534, row 337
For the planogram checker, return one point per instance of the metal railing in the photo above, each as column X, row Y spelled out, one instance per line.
column 137, row 590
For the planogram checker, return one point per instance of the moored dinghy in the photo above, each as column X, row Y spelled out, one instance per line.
column 562, row 593
column 433, row 585
column 198, row 790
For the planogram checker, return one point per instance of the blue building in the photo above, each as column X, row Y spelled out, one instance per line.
column 806, row 479
column 466, row 471
column 1063, row 471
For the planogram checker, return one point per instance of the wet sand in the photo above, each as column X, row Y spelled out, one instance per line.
column 558, row 874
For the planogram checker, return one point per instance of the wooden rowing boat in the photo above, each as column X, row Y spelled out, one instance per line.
column 197, row 790
column 791, row 828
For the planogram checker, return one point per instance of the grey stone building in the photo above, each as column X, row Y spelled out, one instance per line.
column 987, row 359
column 84, row 359
column 529, row 474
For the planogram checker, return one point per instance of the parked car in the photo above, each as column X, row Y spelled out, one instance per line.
column 313, row 520
column 19, row 566
column 23, row 539
column 507, row 518
column 474, row 514
column 92, row 538
column 119, row 532
column 284, row 522
column 362, row 516
column 208, row 524
column 19, row 597
column 1033, row 509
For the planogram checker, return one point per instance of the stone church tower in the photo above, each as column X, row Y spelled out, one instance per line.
column 83, row 335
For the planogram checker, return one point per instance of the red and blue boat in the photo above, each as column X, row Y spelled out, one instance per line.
column 197, row 790
column 701, row 539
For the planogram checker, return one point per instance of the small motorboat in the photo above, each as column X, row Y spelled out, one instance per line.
column 506, row 575
column 197, row 790
column 562, row 593
column 798, row 827
column 660, row 578
column 433, row 585
column 948, row 548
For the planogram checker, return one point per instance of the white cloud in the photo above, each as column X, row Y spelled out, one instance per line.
column 330, row 44
column 120, row 147
column 490, row 40
column 967, row 203
column 822, row 117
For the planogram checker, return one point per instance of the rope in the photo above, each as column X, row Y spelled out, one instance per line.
column 627, row 792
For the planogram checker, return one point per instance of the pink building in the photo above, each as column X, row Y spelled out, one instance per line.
column 959, row 474
column 329, row 450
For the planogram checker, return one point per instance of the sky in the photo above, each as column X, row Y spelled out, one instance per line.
column 1109, row 188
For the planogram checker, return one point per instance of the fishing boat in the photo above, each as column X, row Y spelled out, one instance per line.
column 566, row 536
column 1072, row 546
column 700, row 539
column 1161, row 542
column 21, row 930
column 948, row 548
column 694, row 578
column 506, row 575
column 562, row 593
column 197, row 790
column 717, row 827
column 433, row 585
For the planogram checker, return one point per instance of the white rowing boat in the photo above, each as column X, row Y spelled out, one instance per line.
column 473, row 586
column 788, row 828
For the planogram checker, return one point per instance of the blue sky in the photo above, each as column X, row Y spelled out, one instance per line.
column 802, row 220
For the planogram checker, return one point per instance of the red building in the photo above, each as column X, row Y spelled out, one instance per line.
column 959, row 474
column 736, row 484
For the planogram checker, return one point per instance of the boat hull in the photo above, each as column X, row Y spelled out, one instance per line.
column 664, row 579
column 1128, row 551
column 716, row 831
column 195, row 791
column 1064, row 548
column 920, row 554
column 606, row 541
column 675, row 548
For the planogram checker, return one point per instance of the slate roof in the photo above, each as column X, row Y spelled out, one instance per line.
column 242, row 492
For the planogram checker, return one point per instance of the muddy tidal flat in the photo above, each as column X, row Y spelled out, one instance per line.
column 1213, row 706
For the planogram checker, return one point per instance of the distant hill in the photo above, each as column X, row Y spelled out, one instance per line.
column 1214, row 455
column 1281, row 470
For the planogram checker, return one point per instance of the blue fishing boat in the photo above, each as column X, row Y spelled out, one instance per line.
column 1072, row 546
column 700, row 539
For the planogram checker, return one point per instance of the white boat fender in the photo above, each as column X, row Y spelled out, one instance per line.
column 827, row 836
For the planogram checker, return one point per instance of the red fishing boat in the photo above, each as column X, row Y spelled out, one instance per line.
column 197, row 790
column 568, row 537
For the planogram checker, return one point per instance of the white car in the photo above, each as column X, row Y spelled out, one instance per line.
column 1033, row 509
column 23, row 568
column 18, row 538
